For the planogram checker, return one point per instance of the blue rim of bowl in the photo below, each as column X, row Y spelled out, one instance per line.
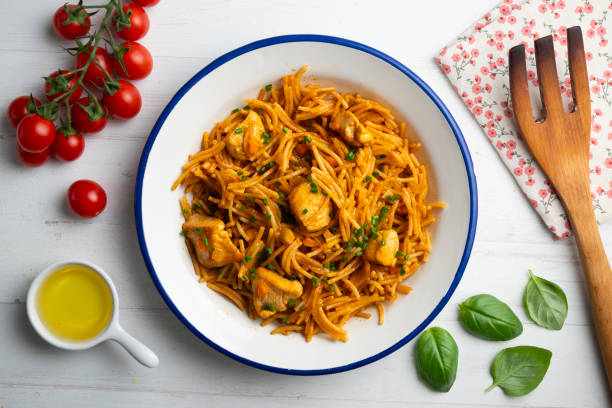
column 345, row 43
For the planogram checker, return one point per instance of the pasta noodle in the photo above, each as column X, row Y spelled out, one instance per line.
column 306, row 207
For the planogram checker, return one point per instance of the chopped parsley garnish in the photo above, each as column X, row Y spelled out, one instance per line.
column 238, row 131
column 205, row 240
column 334, row 230
column 368, row 178
column 252, row 219
column 199, row 231
column 236, row 110
column 251, row 270
column 349, row 250
column 219, row 271
column 382, row 156
column 331, row 288
column 244, row 277
column 384, row 210
column 281, row 196
column 253, row 276
column 309, row 177
column 272, row 164
column 315, row 281
column 260, row 111
column 323, row 192
column 271, row 267
column 376, row 175
column 351, row 154
column 268, row 217
column 383, row 241
column 306, row 139
column 359, row 253
column 265, row 201
column 243, row 178
column 182, row 233
column 285, row 130
column 247, row 107
column 402, row 271
column 285, row 319
column 196, row 206
column 332, row 214
column 304, row 211
column 344, row 259
column 324, row 280
column 398, row 254
column 308, row 157
column 186, row 211
column 268, row 87
column 250, row 198
column 291, row 302
column 240, row 173
column 269, row 307
column 267, row 250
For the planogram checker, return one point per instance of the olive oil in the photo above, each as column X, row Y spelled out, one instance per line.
column 75, row 303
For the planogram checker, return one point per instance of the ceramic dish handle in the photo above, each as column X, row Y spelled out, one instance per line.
column 139, row 351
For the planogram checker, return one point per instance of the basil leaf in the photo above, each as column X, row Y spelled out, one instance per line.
column 488, row 317
column 545, row 302
column 436, row 358
column 519, row 370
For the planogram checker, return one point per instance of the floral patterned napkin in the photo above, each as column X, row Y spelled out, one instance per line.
column 476, row 63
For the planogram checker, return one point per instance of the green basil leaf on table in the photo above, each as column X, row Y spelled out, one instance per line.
column 519, row 370
column 436, row 358
column 487, row 317
column 545, row 302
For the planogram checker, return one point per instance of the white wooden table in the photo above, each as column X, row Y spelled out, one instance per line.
column 36, row 228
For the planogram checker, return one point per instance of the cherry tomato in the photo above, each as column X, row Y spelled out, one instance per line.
column 78, row 22
column 125, row 103
column 146, row 3
column 86, row 198
column 139, row 23
column 68, row 147
column 81, row 121
column 137, row 60
column 18, row 109
column 35, row 133
column 60, row 87
column 94, row 73
column 33, row 159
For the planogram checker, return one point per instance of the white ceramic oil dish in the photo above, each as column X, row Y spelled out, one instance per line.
column 113, row 330
column 223, row 85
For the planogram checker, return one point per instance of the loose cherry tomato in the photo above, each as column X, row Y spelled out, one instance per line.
column 137, row 60
column 35, row 133
column 70, row 23
column 18, row 109
column 68, row 147
column 94, row 73
column 139, row 23
column 146, row 3
column 86, row 198
column 125, row 103
column 33, row 159
column 59, row 85
column 81, row 119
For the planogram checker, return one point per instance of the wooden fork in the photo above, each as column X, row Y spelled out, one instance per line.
column 560, row 143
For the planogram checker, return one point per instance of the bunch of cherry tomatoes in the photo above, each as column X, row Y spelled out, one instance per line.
column 83, row 99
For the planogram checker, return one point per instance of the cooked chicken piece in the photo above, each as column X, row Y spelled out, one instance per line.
column 246, row 139
column 272, row 292
column 286, row 235
column 383, row 254
column 211, row 241
column 353, row 132
column 312, row 209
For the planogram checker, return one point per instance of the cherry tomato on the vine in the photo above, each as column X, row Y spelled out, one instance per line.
column 77, row 24
column 94, row 73
column 80, row 118
column 125, row 103
column 57, row 87
column 35, row 133
column 137, row 60
column 68, row 147
column 86, row 198
column 146, row 3
column 33, row 159
column 139, row 23
column 18, row 109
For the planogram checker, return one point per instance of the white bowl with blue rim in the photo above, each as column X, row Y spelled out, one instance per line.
column 209, row 97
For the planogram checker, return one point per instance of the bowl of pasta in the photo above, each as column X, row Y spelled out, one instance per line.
column 306, row 204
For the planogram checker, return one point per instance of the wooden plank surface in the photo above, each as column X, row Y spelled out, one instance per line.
column 37, row 229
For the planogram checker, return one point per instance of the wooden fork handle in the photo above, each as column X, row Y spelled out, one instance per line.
column 597, row 275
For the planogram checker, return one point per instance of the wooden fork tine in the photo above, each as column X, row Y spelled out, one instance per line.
column 578, row 75
column 519, row 87
column 547, row 76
